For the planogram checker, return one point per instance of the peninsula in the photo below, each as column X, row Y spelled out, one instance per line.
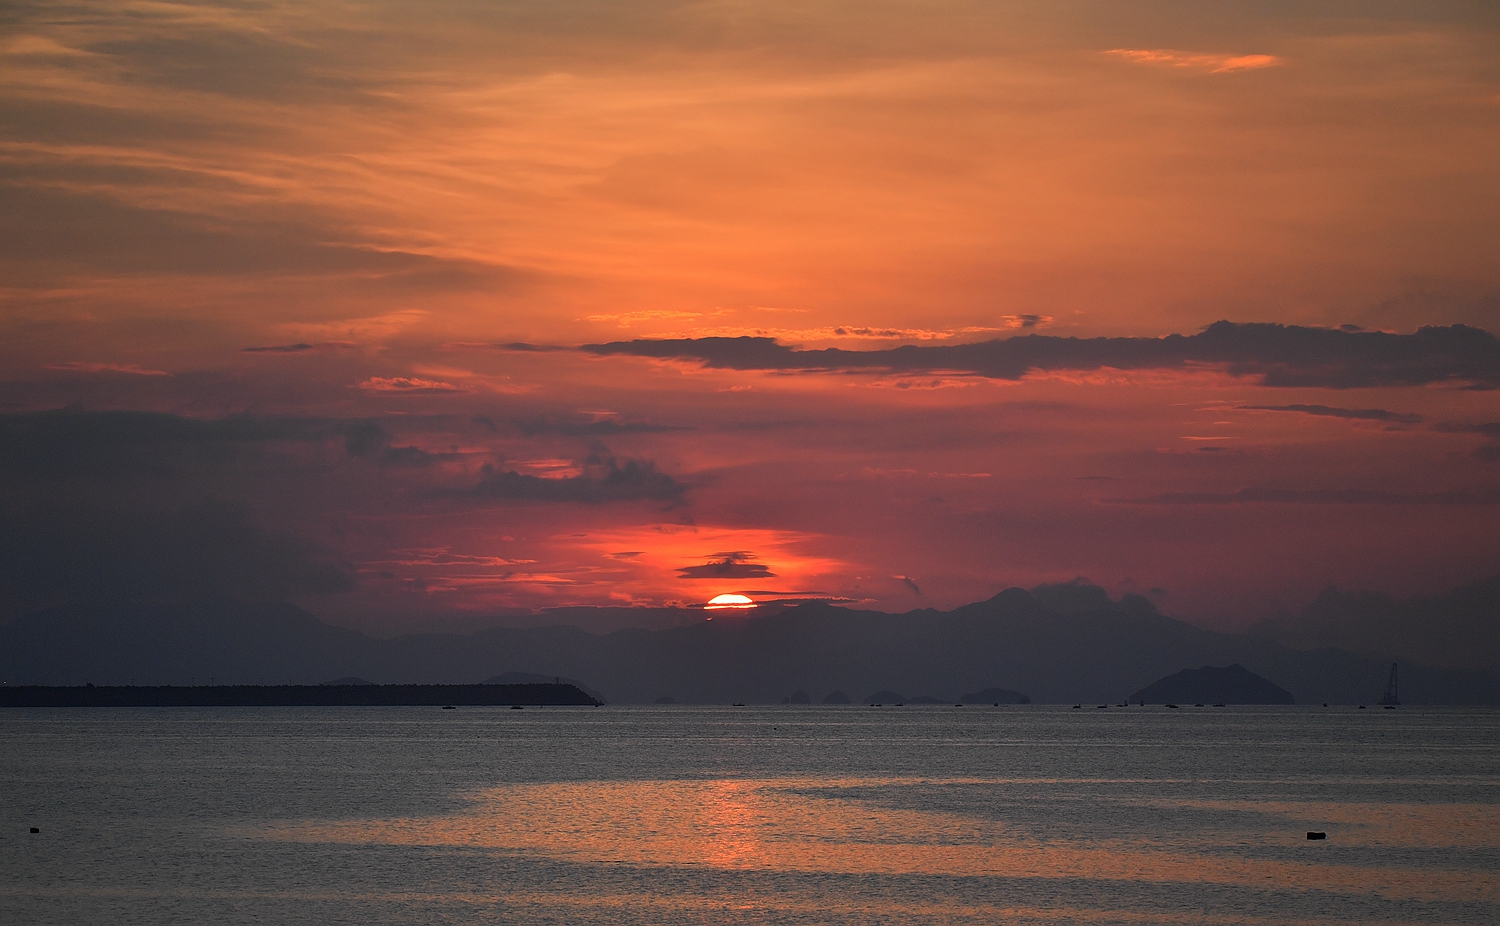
column 294, row 695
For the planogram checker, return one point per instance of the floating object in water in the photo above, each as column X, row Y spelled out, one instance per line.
column 449, row 707
column 1361, row 707
column 1173, row 707
column 738, row 704
column 35, row 830
column 1220, row 704
column 1102, row 707
column 1077, row 706
column 1314, row 834
column 517, row 707
column 1389, row 707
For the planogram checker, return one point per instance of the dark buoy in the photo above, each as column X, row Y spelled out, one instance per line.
column 516, row 707
column 35, row 830
column 1314, row 834
column 449, row 707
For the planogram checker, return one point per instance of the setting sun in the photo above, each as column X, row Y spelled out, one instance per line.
column 720, row 602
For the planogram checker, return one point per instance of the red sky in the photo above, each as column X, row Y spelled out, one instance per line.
column 314, row 228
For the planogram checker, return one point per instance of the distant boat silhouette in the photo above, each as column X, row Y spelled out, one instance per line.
column 1389, row 699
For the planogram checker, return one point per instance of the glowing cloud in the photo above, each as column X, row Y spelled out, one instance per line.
column 1214, row 64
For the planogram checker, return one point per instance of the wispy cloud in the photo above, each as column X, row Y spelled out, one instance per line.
column 407, row 384
column 1275, row 355
column 1326, row 411
column 1265, row 495
column 1213, row 64
column 79, row 366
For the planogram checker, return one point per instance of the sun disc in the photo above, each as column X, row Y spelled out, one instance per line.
column 719, row 602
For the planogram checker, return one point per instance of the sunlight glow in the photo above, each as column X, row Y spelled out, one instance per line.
column 720, row 602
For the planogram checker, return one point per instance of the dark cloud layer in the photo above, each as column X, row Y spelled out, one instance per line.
column 74, row 441
column 568, row 427
column 732, row 565
column 1278, row 355
column 1358, row 414
column 604, row 480
column 56, row 553
column 1266, row 495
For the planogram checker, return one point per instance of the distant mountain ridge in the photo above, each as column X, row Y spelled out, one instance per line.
column 1058, row 644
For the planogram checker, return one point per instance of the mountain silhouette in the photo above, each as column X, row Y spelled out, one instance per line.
column 1058, row 644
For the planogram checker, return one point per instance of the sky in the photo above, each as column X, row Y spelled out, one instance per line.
column 439, row 315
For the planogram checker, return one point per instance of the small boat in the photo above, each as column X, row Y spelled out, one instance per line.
column 1173, row 707
column 448, row 707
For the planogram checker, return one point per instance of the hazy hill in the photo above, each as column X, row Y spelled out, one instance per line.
column 1458, row 629
column 1057, row 644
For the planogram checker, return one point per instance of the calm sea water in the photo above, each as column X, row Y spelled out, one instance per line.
column 749, row 815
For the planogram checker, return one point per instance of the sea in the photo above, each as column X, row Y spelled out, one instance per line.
column 755, row 815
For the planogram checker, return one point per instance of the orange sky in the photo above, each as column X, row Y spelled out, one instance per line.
column 384, row 192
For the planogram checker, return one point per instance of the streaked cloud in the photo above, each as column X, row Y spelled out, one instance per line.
column 1214, row 64
column 1275, row 355
column 1325, row 411
column 79, row 366
column 407, row 384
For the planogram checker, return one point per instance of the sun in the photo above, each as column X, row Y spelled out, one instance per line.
column 720, row 602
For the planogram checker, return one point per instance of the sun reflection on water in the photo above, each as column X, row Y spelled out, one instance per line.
column 817, row 826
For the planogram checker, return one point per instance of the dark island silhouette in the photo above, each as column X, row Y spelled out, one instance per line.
column 358, row 694
column 994, row 696
column 1232, row 684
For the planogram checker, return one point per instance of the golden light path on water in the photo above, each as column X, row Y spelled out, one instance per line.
column 805, row 826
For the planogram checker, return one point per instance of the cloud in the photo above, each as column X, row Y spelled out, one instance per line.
column 626, row 319
column 1213, row 64
column 277, row 349
column 78, row 366
column 732, row 565
column 906, row 580
column 68, row 441
column 1364, row 414
column 866, row 332
column 603, row 480
column 1276, row 355
column 408, row 385
column 1484, row 453
column 1487, row 428
column 57, row 553
column 1267, row 495
column 572, row 427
